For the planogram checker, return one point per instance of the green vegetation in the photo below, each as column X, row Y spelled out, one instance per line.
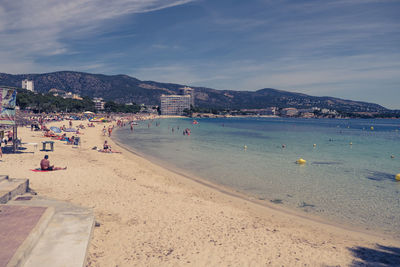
column 27, row 100
column 48, row 103
column 111, row 106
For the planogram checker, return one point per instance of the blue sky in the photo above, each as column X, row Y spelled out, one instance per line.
column 345, row 48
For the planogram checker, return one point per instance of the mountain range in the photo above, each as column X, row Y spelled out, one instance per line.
column 126, row 89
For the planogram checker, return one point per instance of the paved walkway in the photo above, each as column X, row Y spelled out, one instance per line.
column 16, row 223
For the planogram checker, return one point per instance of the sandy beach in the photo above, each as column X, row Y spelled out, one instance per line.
column 151, row 216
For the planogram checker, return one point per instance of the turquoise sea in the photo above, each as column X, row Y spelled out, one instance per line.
column 349, row 177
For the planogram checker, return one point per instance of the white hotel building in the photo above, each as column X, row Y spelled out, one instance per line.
column 174, row 104
column 28, row 85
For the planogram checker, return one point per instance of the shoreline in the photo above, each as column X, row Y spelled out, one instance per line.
column 151, row 216
column 232, row 192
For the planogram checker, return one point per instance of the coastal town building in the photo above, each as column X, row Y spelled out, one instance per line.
column 65, row 95
column 99, row 103
column 72, row 96
column 307, row 115
column 270, row 111
column 188, row 91
column 28, row 85
column 56, row 92
column 174, row 104
column 289, row 112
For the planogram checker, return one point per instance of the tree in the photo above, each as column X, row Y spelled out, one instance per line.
column 187, row 112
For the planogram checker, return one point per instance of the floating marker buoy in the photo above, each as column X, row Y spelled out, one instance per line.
column 314, row 145
column 398, row 177
column 301, row 161
column 351, row 143
column 372, row 128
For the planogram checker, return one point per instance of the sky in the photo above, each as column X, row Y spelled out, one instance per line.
column 345, row 48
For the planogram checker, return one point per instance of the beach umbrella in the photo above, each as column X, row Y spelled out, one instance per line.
column 88, row 112
column 70, row 130
column 55, row 129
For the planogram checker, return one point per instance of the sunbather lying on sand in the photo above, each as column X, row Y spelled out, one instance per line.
column 50, row 134
column 62, row 137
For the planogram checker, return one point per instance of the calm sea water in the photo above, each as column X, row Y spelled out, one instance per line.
column 349, row 176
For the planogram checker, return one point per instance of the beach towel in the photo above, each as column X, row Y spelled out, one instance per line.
column 110, row 152
column 40, row 170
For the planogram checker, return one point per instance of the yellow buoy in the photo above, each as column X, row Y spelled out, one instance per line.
column 351, row 143
column 301, row 161
column 398, row 177
column 372, row 128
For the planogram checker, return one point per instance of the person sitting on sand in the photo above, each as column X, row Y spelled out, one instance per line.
column 71, row 140
column 106, row 146
column 45, row 165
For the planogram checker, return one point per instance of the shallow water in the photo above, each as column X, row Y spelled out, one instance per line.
column 349, row 176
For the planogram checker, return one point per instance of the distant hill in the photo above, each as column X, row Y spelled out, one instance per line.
column 125, row 89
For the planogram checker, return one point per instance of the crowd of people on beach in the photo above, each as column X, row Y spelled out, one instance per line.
column 70, row 134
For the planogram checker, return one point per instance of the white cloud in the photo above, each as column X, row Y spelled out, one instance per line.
column 34, row 28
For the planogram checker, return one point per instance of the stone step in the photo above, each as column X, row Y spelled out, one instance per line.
column 11, row 187
column 66, row 238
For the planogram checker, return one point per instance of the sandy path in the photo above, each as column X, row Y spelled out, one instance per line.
column 150, row 216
